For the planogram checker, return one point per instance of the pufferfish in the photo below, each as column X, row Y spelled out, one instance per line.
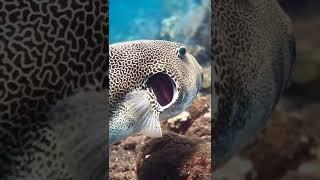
column 253, row 50
column 150, row 80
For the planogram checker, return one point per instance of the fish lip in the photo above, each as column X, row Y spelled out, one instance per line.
column 174, row 86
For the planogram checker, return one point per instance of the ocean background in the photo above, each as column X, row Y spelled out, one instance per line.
column 183, row 21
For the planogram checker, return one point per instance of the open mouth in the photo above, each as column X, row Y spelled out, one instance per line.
column 163, row 87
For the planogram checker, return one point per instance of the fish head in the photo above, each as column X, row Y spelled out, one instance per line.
column 176, row 81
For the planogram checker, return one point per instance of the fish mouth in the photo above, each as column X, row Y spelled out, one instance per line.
column 164, row 88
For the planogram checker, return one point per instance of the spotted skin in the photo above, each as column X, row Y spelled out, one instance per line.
column 49, row 50
column 133, row 62
column 253, row 50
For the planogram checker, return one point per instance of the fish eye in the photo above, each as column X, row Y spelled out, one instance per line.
column 182, row 51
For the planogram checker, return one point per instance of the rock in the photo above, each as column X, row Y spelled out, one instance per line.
column 130, row 146
column 199, row 165
column 181, row 123
column 201, row 127
column 122, row 157
column 206, row 84
column 174, row 157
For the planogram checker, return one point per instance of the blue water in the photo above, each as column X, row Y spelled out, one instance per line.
column 141, row 19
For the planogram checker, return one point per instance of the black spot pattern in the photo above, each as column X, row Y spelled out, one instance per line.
column 252, row 59
column 48, row 50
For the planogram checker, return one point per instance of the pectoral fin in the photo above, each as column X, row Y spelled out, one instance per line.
column 135, row 114
column 147, row 118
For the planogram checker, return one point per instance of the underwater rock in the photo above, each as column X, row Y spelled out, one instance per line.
column 206, row 84
column 181, row 123
column 174, row 157
column 122, row 158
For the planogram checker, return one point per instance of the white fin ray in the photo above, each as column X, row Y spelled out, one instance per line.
column 146, row 118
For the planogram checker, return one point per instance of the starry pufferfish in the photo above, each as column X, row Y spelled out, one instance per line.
column 253, row 50
column 149, row 80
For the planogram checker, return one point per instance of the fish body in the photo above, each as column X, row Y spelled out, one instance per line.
column 51, row 51
column 253, row 49
column 149, row 80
